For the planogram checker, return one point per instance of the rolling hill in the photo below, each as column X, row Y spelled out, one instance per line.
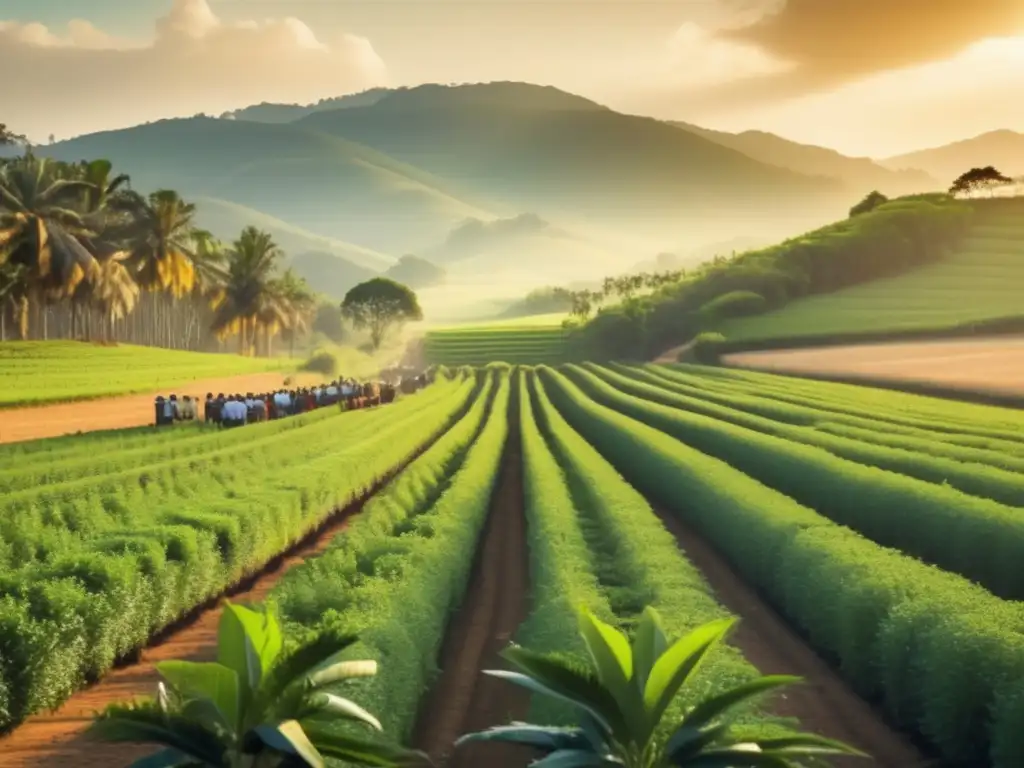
column 317, row 182
column 859, row 174
column 541, row 149
column 1004, row 149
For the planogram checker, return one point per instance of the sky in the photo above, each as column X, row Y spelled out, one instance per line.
column 866, row 77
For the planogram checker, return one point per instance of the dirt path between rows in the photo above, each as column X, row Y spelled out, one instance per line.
column 824, row 704
column 463, row 700
column 993, row 366
column 124, row 411
column 58, row 739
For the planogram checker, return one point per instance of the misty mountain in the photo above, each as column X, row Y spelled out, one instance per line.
column 859, row 174
column 416, row 272
column 329, row 274
column 1004, row 149
column 286, row 113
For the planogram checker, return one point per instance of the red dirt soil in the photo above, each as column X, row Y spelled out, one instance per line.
column 988, row 365
column 824, row 704
column 463, row 700
column 58, row 739
column 122, row 412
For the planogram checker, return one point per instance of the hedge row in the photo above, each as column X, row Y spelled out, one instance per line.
column 401, row 569
column 111, row 565
column 976, row 538
column 869, row 422
column 973, row 478
column 638, row 562
column 943, row 656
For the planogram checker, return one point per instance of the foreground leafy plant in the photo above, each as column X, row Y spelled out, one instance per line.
column 255, row 706
column 623, row 702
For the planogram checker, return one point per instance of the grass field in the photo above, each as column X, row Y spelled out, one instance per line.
column 885, row 528
column 39, row 372
column 533, row 340
column 980, row 281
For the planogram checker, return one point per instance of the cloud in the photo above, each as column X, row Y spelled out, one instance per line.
column 85, row 80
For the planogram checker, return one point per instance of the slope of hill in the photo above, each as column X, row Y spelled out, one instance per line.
column 268, row 112
column 1004, row 149
column 329, row 274
column 541, row 149
column 321, row 183
column 859, row 174
column 226, row 219
column 977, row 283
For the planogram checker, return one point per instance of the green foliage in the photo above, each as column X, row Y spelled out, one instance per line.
column 871, row 201
column 541, row 301
column 943, row 656
column 621, row 703
column 256, row 702
column 511, row 343
column 329, row 322
column 107, row 539
column 733, row 304
column 401, row 568
column 975, row 537
column 705, row 347
column 378, row 305
column 322, row 362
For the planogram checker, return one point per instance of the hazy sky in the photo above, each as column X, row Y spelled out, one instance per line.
column 874, row 77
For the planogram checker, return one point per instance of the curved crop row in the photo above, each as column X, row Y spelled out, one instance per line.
column 942, row 655
column 571, row 488
column 86, row 596
column 977, row 538
column 402, row 567
column 800, row 411
column 972, row 478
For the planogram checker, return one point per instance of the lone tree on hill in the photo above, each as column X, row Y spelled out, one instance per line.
column 869, row 203
column 7, row 136
column 378, row 305
column 978, row 178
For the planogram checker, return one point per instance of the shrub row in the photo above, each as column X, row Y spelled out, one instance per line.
column 976, row 538
column 70, row 613
column 943, row 656
column 637, row 562
column 401, row 569
column 869, row 422
column 973, row 478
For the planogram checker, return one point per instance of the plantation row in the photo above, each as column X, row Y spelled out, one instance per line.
column 881, row 526
column 92, row 565
column 476, row 345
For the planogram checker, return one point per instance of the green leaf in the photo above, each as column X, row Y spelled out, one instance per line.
column 806, row 744
column 206, row 680
column 689, row 741
column 341, row 670
column 571, row 758
column 649, row 644
column 676, row 665
column 537, row 736
column 737, row 756
column 146, row 724
column 344, row 708
column 235, row 650
column 165, row 758
column 609, row 649
column 287, row 738
column 353, row 749
column 715, row 706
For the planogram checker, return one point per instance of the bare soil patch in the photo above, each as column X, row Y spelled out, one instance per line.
column 993, row 366
column 58, row 738
column 824, row 704
column 33, row 423
column 463, row 700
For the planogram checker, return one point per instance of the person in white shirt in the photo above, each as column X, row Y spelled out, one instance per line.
column 234, row 413
column 283, row 403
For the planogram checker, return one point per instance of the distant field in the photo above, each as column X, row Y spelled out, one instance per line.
column 531, row 340
column 981, row 281
column 38, row 372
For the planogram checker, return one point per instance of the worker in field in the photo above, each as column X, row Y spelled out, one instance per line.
column 233, row 412
column 164, row 413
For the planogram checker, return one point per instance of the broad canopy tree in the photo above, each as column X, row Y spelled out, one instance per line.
column 378, row 305
column 977, row 179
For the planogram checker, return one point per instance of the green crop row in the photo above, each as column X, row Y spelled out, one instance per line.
column 599, row 543
column 972, row 478
column 899, row 408
column 401, row 569
column 944, row 657
column 819, row 414
column 160, row 551
column 974, row 537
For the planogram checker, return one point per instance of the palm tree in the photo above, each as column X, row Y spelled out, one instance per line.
column 161, row 239
column 43, row 228
column 249, row 299
column 298, row 302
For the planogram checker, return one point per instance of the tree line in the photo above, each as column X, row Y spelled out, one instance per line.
column 85, row 256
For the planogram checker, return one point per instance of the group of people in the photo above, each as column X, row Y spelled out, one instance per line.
column 236, row 410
